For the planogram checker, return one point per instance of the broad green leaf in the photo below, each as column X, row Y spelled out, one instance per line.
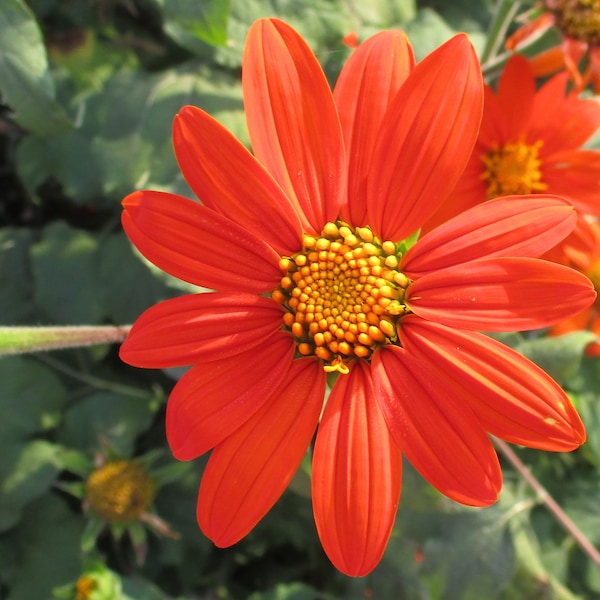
column 16, row 302
column 25, row 81
column 64, row 267
column 47, row 544
column 26, row 473
column 31, row 398
column 427, row 31
column 188, row 23
column 104, row 417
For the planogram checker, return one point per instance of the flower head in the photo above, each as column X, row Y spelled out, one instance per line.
column 531, row 143
column 579, row 23
column 308, row 244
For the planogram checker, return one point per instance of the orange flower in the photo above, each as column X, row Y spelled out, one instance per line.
column 303, row 292
column 579, row 23
column 530, row 143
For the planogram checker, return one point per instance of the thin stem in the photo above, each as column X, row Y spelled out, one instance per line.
column 23, row 340
column 505, row 12
column 549, row 501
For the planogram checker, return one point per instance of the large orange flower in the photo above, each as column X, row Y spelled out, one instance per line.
column 579, row 51
column 531, row 142
column 303, row 241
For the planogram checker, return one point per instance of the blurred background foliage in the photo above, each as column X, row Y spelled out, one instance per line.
column 88, row 91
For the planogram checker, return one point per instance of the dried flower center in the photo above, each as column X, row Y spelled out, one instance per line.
column 343, row 295
column 513, row 169
column 120, row 491
column 579, row 19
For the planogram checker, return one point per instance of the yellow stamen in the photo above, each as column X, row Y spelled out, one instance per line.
column 120, row 491
column 343, row 295
column 579, row 19
column 513, row 169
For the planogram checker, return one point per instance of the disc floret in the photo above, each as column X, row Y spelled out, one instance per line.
column 579, row 19
column 343, row 294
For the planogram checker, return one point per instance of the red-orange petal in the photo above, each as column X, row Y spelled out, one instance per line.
column 508, row 226
column 200, row 328
column 228, row 179
column 435, row 429
column 215, row 398
column 367, row 83
column 425, row 140
column 292, row 120
column 516, row 81
column 198, row 245
column 511, row 396
column 248, row 472
column 500, row 294
column 356, row 477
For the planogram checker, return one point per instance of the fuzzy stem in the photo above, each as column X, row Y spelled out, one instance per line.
column 503, row 16
column 23, row 340
column 548, row 500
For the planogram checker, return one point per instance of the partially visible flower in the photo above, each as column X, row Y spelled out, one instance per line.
column 306, row 244
column 530, row 142
column 589, row 318
column 579, row 23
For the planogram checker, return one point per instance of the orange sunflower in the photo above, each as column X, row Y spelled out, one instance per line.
column 530, row 142
column 304, row 242
column 579, row 23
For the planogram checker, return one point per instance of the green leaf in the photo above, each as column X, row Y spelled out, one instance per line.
column 64, row 268
column 47, row 544
column 27, row 472
column 287, row 591
column 16, row 298
column 187, row 23
column 31, row 398
column 106, row 417
column 25, row 81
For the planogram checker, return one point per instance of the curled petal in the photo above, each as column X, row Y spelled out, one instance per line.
column 356, row 475
column 248, row 472
column 367, row 83
column 200, row 328
column 509, row 226
column 500, row 294
column 512, row 397
column 197, row 244
column 435, row 429
column 213, row 399
column 292, row 120
column 425, row 140
column 228, row 179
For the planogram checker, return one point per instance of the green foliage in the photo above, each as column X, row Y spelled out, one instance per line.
column 88, row 94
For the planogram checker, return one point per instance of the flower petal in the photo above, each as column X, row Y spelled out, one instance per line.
column 516, row 82
column 356, row 477
column 292, row 120
column 228, row 179
column 509, row 226
column 197, row 244
column 438, row 432
column 248, row 472
column 200, row 328
column 511, row 396
column 367, row 83
column 500, row 294
column 215, row 398
column 425, row 140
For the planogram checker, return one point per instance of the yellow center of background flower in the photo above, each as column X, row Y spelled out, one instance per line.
column 120, row 491
column 579, row 19
column 343, row 295
column 512, row 169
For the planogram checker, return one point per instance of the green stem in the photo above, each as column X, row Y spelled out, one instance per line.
column 548, row 500
column 22, row 340
column 503, row 17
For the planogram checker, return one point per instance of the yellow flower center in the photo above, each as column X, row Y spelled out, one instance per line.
column 84, row 587
column 120, row 491
column 513, row 169
column 579, row 19
column 343, row 295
